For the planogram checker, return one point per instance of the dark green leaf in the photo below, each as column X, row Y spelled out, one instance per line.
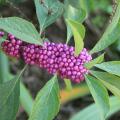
column 99, row 94
column 112, row 67
column 25, row 98
column 79, row 33
column 112, row 82
column 9, row 98
column 48, row 11
column 97, row 60
column 46, row 105
column 92, row 113
column 3, row 68
column 111, row 34
column 21, row 28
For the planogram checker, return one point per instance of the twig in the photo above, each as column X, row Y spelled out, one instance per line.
column 93, row 28
column 17, row 9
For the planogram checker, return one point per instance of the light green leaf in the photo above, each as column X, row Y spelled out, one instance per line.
column 46, row 105
column 112, row 82
column 112, row 67
column 92, row 113
column 92, row 63
column 79, row 34
column 20, row 28
column 75, row 3
column 111, row 34
column 48, row 11
column 9, row 98
column 99, row 94
column 72, row 13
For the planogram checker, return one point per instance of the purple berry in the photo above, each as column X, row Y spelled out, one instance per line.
column 1, row 34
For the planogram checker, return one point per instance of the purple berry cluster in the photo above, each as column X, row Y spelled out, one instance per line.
column 12, row 46
column 30, row 53
column 54, row 57
column 60, row 58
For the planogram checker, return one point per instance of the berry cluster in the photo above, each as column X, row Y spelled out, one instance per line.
column 55, row 58
column 60, row 58
column 30, row 53
column 12, row 46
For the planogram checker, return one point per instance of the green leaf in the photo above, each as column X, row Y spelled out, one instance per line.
column 79, row 34
column 3, row 67
column 72, row 13
column 25, row 99
column 112, row 67
column 9, row 98
column 68, row 84
column 46, row 105
column 97, row 60
column 92, row 113
column 48, row 11
column 20, row 28
column 75, row 3
column 86, row 5
column 112, row 82
column 111, row 34
column 99, row 94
